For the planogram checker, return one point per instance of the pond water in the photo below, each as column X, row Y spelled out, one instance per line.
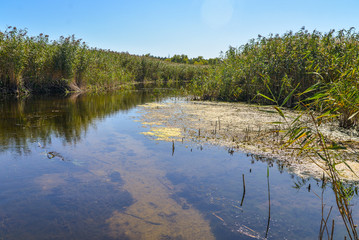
column 79, row 168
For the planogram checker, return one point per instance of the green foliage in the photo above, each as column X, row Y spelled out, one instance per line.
column 13, row 53
column 39, row 65
column 179, row 58
column 196, row 61
column 306, row 139
column 278, row 65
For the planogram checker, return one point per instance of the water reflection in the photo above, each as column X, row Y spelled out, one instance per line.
column 272, row 208
column 37, row 119
column 88, row 173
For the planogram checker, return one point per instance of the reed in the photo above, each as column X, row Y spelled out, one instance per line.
column 306, row 139
column 278, row 65
column 39, row 65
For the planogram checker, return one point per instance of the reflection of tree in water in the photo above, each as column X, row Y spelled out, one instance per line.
column 38, row 119
column 270, row 161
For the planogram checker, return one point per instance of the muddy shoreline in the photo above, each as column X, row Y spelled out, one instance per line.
column 242, row 127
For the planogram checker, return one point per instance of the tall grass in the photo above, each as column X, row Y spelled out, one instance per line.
column 276, row 65
column 303, row 135
column 39, row 65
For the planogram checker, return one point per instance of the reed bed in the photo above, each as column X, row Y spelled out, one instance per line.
column 40, row 65
column 279, row 66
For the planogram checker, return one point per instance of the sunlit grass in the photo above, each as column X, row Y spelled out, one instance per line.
column 276, row 65
column 39, row 65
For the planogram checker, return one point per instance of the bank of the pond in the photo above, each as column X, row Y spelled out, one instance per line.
column 239, row 126
column 284, row 67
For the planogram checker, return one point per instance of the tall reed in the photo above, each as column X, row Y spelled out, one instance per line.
column 306, row 139
column 40, row 65
column 276, row 65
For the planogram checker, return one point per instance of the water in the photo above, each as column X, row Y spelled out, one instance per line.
column 78, row 168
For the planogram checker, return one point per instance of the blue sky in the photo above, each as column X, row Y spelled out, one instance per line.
column 167, row 27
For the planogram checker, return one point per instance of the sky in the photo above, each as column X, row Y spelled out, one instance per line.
column 167, row 27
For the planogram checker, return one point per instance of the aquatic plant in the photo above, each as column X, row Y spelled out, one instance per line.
column 305, row 138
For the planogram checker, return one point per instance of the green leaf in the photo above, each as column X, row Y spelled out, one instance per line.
column 326, row 114
column 290, row 95
column 310, row 89
column 268, row 98
column 279, row 111
column 296, row 119
column 323, row 158
column 316, row 97
column 336, row 147
column 317, row 74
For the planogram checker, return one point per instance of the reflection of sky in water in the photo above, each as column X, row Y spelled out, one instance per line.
column 116, row 183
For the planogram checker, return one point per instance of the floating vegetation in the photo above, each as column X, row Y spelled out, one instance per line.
column 152, row 105
column 151, row 123
column 164, row 133
column 250, row 128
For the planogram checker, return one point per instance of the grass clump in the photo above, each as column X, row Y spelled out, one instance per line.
column 305, row 138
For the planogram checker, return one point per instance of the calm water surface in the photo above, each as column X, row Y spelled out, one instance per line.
column 78, row 168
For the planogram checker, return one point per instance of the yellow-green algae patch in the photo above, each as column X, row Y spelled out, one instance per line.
column 250, row 128
column 164, row 133
column 151, row 123
column 152, row 105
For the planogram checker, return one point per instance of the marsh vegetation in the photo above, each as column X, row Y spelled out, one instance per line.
column 277, row 65
column 315, row 73
column 39, row 65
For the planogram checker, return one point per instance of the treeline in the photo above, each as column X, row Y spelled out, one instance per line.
column 276, row 66
column 39, row 65
column 196, row 61
column 184, row 59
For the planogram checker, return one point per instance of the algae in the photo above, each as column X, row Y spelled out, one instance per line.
column 164, row 133
column 238, row 126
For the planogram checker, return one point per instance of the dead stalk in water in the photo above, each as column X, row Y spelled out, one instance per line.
column 244, row 190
